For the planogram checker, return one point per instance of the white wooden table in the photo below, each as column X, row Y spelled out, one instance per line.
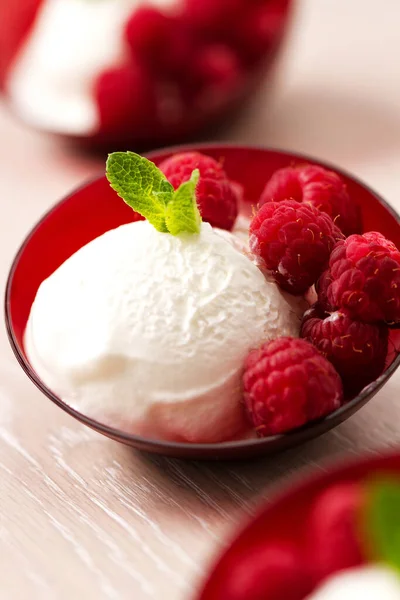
column 83, row 517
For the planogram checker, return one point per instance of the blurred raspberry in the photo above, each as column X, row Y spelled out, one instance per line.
column 217, row 64
column 260, row 29
column 269, row 571
column 288, row 383
column 163, row 41
column 295, row 241
column 334, row 538
column 357, row 350
column 217, row 197
column 364, row 278
column 314, row 185
column 124, row 97
column 212, row 15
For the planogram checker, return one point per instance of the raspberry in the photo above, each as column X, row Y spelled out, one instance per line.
column 146, row 31
column 212, row 15
column 287, row 383
column 364, row 278
column 217, row 64
column 317, row 186
column 294, row 241
column 217, row 197
column 334, row 540
column 357, row 350
column 272, row 571
column 261, row 28
column 125, row 98
column 159, row 39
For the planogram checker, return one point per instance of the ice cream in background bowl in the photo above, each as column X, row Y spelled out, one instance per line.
column 135, row 71
column 141, row 333
column 331, row 536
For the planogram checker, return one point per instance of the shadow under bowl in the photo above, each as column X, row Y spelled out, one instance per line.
column 94, row 209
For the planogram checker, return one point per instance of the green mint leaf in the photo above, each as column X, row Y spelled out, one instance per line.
column 383, row 521
column 182, row 215
column 141, row 185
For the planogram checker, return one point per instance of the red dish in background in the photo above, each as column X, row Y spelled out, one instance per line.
column 94, row 209
column 182, row 70
column 282, row 522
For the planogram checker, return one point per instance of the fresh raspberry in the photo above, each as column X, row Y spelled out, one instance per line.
column 321, row 290
column 333, row 536
column 268, row 571
column 357, row 350
column 294, row 241
column 216, row 196
column 364, row 278
column 317, row 186
column 125, row 98
column 288, row 383
column 159, row 39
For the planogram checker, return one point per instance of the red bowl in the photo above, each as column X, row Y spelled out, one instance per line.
column 93, row 209
column 282, row 519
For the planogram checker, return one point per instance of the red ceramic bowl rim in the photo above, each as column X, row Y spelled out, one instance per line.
column 163, row 444
column 334, row 470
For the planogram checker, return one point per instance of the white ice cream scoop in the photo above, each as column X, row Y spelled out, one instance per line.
column 148, row 332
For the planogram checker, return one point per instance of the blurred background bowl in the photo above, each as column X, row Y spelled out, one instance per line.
column 282, row 522
column 94, row 209
column 121, row 72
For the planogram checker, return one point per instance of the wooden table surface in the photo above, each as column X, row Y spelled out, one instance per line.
column 81, row 516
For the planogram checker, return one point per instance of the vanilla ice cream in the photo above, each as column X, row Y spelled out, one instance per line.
column 148, row 332
column 71, row 43
column 366, row 583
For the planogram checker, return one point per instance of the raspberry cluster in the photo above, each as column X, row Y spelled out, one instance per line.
column 185, row 63
column 298, row 234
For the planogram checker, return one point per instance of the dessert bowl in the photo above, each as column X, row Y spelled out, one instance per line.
column 282, row 521
column 91, row 211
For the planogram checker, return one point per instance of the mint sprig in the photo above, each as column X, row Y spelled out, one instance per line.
column 145, row 189
column 182, row 213
column 383, row 521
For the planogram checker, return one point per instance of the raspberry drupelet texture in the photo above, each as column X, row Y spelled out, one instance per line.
column 288, row 383
column 319, row 187
column 217, row 196
column 294, row 242
column 364, row 278
column 334, row 540
column 357, row 350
